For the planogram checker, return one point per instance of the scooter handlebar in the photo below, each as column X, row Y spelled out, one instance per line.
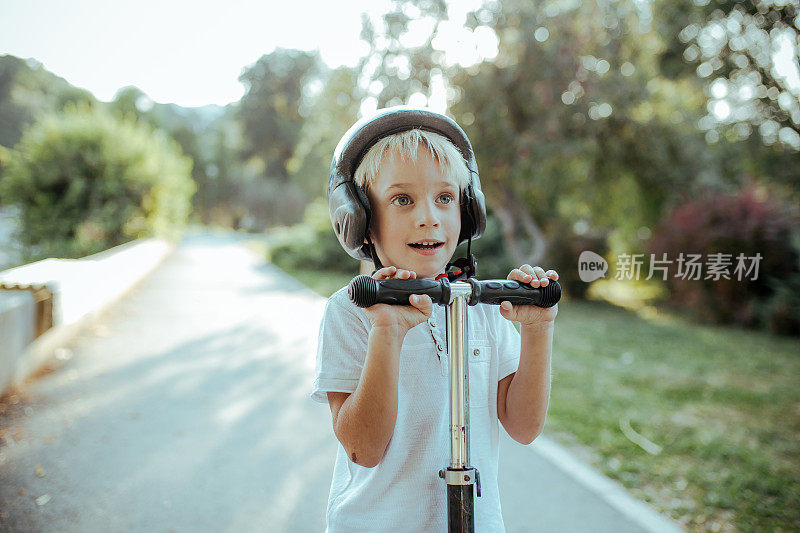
column 497, row 291
column 364, row 291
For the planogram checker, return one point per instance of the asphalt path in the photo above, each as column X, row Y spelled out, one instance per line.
column 184, row 408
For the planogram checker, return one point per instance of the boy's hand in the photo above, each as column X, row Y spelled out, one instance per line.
column 401, row 317
column 530, row 315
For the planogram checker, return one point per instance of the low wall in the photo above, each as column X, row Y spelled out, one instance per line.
column 80, row 288
column 17, row 331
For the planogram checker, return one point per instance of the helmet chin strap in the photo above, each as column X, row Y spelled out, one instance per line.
column 375, row 261
column 466, row 267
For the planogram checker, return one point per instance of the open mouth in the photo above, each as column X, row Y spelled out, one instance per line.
column 426, row 245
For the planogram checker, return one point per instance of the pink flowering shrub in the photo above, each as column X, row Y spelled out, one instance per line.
column 740, row 226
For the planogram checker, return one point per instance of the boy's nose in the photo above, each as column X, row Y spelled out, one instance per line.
column 427, row 215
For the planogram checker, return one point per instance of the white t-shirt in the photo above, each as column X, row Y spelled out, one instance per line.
column 404, row 492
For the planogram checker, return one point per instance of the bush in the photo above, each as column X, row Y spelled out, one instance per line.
column 85, row 181
column 562, row 255
column 781, row 311
column 311, row 244
column 749, row 223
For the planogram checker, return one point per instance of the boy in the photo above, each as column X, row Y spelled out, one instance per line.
column 405, row 192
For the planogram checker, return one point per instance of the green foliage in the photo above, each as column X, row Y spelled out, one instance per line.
column 328, row 115
column 12, row 116
column 562, row 256
column 733, row 46
column 86, row 181
column 5, row 156
column 270, row 110
column 27, row 91
column 198, row 132
column 310, row 245
column 573, row 122
column 780, row 312
column 493, row 261
column 570, row 122
column 575, row 126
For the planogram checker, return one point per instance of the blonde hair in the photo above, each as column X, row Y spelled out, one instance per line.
column 447, row 157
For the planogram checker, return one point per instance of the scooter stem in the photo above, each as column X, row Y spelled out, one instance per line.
column 459, row 475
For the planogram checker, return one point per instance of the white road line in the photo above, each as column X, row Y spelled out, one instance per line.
column 610, row 491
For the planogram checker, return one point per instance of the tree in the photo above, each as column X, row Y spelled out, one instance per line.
column 747, row 52
column 570, row 122
column 28, row 91
column 328, row 114
column 270, row 110
column 132, row 103
column 399, row 68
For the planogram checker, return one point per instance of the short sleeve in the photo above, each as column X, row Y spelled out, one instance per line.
column 341, row 350
column 508, row 344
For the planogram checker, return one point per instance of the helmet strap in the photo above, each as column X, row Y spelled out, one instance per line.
column 375, row 261
column 465, row 267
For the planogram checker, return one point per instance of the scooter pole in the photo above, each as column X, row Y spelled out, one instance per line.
column 460, row 475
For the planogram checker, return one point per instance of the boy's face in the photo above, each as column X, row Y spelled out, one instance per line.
column 416, row 215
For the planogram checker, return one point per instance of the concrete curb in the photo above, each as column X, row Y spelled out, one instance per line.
column 607, row 489
column 81, row 288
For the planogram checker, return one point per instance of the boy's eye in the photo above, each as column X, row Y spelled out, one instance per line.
column 401, row 200
column 447, row 198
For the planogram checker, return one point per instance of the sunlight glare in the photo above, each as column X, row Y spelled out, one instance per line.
column 721, row 109
column 418, row 32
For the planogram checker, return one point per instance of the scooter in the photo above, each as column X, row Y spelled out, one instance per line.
column 460, row 476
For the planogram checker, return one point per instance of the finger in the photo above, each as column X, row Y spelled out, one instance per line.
column 422, row 302
column 403, row 274
column 384, row 273
column 530, row 273
column 540, row 275
column 552, row 274
column 507, row 310
column 518, row 275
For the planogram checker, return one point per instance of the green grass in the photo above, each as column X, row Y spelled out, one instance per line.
column 723, row 405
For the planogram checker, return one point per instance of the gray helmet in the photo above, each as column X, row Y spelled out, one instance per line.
column 347, row 202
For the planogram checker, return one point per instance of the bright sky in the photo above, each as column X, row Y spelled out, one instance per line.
column 187, row 52
column 192, row 53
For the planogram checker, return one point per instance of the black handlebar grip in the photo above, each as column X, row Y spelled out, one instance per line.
column 498, row 291
column 364, row 291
